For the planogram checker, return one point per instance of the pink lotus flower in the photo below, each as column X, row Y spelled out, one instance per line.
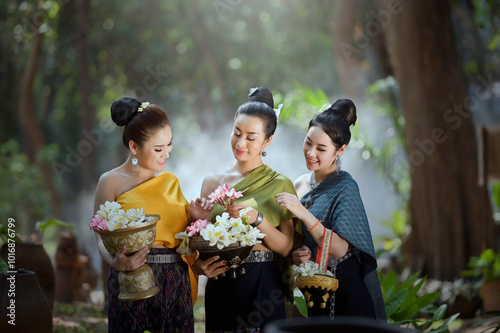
column 224, row 196
column 98, row 223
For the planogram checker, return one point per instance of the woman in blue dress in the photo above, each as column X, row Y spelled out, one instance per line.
column 330, row 199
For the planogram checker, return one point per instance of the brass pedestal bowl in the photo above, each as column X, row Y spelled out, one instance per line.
column 317, row 289
column 234, row 254
column 137, row 284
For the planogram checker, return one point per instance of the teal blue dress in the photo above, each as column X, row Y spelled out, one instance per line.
column 336, row 202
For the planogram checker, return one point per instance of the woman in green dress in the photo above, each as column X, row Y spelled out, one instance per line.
column 249, row 301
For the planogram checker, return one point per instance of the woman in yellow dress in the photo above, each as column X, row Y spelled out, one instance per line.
column 249, row 301
column 140, row 182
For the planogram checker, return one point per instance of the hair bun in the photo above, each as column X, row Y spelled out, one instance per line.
column 347, row 109
column 122, row 110
column 261, row 94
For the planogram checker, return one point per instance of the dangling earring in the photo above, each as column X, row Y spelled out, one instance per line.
column 264, row 153
column 135, row 164
column 338, row 163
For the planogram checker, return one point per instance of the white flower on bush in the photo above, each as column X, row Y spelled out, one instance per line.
column 117, row 220
column 310, row 268
column 107, row 208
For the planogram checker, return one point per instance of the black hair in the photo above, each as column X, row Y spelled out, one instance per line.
column 336, row 121
column 139, row 125
column 261, row 94
column 260, row 104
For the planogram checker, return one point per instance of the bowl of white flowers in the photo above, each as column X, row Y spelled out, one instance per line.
column 134, row 230
column 231, row 239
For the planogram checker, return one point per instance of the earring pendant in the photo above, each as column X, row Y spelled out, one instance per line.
column 338, row 163
column 135, row 164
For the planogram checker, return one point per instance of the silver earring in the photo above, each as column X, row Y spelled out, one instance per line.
column 338, row 163
column 135, row 164
column 264, row 153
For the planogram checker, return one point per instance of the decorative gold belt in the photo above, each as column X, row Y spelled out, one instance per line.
column 260, row 256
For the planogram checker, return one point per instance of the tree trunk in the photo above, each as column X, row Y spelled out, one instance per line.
column 450, row 213
column 87, row 145
column 33, row 136
column 347, row 53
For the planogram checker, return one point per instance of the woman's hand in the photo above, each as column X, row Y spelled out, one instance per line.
column 122, row 262
column 235, row 210
column 301, row 255
column 210, row 267
column 200, row 209
column 292, row 203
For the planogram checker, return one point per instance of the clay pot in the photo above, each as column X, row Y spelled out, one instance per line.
column 490, row 293
column 33, row 257
column 24, row 303
column 66, row 268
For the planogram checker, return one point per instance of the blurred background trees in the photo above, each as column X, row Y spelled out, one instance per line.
column 62, row 63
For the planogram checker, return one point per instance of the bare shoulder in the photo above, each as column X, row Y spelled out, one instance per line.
column 210, row 183
column 109, row 186
column 302, row 185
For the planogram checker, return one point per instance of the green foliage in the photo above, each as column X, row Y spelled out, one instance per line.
column 496, row 194
column 400, row 229
column 486, row 267
column 3, row 266
column 494, row 328
column 403, row 307
column 23, row 196
column 41, row 226
column 300, row 302
column 301, row 104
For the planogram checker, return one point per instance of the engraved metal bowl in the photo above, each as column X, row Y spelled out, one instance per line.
column 140, row 283
column 234, row 254
column 134, row 238
column 317, row 289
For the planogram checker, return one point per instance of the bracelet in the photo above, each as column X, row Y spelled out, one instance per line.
column 314, row 226
column 258, row 220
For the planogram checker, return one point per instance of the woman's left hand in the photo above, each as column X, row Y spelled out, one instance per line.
column 234, row 211
column 200, row 209
column 292, row 203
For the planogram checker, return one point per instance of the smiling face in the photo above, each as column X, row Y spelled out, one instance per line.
column 248, row 138
column 319, row 151
column 153, row 153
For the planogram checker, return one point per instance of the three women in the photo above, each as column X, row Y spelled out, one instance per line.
column 251, row 300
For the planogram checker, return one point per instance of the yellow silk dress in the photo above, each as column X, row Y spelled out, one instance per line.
column 162, row 196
